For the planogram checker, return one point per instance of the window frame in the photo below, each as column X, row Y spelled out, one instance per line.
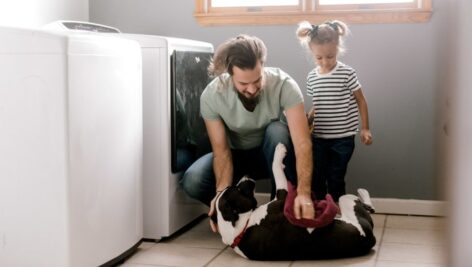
column 416, row 12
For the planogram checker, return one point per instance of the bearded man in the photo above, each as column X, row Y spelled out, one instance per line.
column 248, row 109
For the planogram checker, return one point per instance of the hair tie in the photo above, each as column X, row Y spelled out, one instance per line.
column 314, row 30
column 333, row 25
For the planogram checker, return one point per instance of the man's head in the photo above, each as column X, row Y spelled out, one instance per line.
column 243, row 58
column 248, row 84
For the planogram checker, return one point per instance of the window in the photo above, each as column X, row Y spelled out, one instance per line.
column 247, row 3
column 269, row 12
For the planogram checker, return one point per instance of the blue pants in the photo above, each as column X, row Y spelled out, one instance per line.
column 199, row 179
column 331, row 157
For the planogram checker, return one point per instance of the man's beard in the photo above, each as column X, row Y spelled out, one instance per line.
column 249, row 103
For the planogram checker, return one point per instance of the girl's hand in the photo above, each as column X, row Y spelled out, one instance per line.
column 366, row 136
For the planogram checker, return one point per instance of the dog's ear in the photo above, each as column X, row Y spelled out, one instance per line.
column 246, row 186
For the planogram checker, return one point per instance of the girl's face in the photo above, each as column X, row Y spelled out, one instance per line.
column 325, row 56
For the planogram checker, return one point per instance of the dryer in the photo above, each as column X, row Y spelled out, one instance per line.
column 166, row 208
column 70, row 148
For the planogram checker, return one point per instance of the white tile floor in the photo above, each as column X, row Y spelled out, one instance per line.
column 402, row 241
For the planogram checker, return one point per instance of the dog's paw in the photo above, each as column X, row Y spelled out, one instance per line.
column 364, row 197
column 280, row 152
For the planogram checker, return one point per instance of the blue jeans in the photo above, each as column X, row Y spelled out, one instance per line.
column 199, row 179
column 331, row 157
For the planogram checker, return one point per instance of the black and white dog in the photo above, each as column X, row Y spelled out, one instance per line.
column 264, row 233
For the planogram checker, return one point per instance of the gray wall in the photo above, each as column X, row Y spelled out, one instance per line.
column 396, row 64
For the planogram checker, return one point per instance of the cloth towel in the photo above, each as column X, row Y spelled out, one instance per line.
column 325, row 210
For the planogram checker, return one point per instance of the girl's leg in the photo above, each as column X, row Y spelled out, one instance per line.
column 320, row 165
column 340, row 151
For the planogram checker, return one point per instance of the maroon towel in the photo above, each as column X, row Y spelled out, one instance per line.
column 325, row 210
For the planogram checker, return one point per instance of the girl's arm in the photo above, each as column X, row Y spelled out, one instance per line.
column 366, row 135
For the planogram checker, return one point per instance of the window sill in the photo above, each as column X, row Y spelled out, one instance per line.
column 292, row 18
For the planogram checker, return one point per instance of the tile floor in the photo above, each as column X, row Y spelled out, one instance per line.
column 402, row 241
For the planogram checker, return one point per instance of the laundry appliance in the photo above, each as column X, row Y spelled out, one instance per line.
column 70, row 148
column 174, row 75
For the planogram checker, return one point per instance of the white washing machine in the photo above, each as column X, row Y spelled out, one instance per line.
column 166, row 207
column 70, row 148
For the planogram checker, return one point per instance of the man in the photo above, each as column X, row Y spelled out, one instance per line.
column 246, row 110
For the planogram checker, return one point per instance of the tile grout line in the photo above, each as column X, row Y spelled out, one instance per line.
column 216, row 256
column 381, row 240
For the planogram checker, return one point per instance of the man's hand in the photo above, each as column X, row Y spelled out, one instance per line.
column 213, row 225
column 303, row 207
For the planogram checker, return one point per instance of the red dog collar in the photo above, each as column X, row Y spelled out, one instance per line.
column 238, row 238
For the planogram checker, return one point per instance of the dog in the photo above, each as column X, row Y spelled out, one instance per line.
column 264, row 233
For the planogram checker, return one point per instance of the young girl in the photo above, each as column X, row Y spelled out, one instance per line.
column 337, row 102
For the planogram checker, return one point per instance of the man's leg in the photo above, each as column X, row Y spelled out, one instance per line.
column 277, row 132
column 250, row 162
column 199, row 179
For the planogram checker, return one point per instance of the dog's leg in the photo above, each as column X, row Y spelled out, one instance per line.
column 365, row 199
column 278, row 167
column 348, row 215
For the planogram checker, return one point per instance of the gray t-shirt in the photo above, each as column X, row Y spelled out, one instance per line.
column 245, row 129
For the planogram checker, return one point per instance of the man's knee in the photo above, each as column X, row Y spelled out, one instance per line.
column 277, row 132
column 191, row 184
column 197, row 188
column 198, row 181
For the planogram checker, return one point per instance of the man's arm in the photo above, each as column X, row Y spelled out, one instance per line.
column 222, row 160
column 300, row 134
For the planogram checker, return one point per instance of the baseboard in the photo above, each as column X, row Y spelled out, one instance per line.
column 394, row 206
column 409, row 206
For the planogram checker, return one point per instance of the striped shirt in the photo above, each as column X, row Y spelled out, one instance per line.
column 336, row 111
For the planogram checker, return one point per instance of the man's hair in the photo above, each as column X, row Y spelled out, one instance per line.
column 242, row 51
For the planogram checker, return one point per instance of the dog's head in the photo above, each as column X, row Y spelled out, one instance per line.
column 235, row 200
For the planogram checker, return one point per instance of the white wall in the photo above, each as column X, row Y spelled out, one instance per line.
column 461, row 156
column 35, row 13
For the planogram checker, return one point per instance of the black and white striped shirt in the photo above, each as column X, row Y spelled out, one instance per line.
column 336, row 111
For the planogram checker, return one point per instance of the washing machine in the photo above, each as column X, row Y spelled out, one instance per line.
column 70, row 148
column 174, row 75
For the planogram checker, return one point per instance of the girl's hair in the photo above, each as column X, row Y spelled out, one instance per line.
column 242, row 51
column 327, row 32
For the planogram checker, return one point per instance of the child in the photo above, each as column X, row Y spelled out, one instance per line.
column 337, row 100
